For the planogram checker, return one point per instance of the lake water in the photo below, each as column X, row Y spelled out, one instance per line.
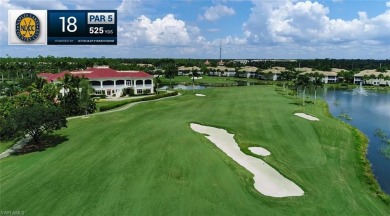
column 368, row 113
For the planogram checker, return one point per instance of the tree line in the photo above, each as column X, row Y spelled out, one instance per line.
column 19, row 68
column 41, row 108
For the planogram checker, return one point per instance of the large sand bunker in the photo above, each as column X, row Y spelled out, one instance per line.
column 268, row 181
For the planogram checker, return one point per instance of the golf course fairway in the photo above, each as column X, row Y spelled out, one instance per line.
column 146, row 160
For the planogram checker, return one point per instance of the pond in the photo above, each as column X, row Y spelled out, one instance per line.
column 367, row 113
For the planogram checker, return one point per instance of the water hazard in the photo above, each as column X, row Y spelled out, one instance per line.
column 368, row 112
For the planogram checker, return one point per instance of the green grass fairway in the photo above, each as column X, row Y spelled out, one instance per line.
column 147, row 161
column 4, row 145
column 206, row 80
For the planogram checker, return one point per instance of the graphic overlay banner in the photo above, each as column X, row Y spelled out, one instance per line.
column 82, row 27
column 27, row 27
column 62, row 27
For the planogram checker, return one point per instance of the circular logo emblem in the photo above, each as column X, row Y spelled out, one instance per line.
column 27, row 27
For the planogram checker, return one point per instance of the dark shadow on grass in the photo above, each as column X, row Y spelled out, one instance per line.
column 49, row 141
column 299, row 103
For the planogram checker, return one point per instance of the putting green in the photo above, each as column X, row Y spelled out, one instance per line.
column 147, row 161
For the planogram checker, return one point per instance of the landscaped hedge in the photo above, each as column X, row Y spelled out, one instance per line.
column 116, row 104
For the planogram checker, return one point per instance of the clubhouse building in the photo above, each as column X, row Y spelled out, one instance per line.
column 107, row 81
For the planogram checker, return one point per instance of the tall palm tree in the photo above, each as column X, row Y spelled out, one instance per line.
column 387, row 78
column 303, row 81
column 66, row 85
column 317, row 83
column 50, row 91
column 194, row 73
column 284, row 76
column 381, row 77
column 170, row 72
column 365, row 78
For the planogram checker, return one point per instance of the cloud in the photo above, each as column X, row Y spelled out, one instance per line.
column 216, row 12
column 40, row 5
column 4, row 31
column 167, row 31
column 309, row 23
column 128, row 7
column 6, row 5
column 230, row 41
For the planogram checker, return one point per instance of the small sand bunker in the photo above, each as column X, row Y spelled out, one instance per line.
column 259, row 151
column 268, row 181
column 306, row 116
column 200, row 95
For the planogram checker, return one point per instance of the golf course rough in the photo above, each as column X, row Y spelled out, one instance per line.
column 268, row 181
column 146, row 160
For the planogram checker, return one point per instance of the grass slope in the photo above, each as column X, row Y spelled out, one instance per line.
column 206, row 80
column 147, row 161
column 4, row 145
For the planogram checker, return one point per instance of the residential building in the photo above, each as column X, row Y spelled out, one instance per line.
column 241, row 61
column 222, row 71
column 272, row 73
column 248, row 72
column 185, row 71
column 329, row 76
column 107, row 81
column 372, row 77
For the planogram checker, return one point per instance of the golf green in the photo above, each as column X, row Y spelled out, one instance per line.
column 146, row 160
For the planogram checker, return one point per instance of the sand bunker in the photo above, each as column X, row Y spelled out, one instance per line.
column 200, row 95
column 268, row 181
column 306, row 116
column 259, row 151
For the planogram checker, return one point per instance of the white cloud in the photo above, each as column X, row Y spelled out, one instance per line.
column 40, row 5
column 309, row 22
column 167, row 31
column 6, row 5
column 216, row 12
column 128, row 7
column 230, row 40
column 388, row 4
column 3, row 32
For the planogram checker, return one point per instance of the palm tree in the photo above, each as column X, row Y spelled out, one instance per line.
column 236, row 70
column 372, row 76
column 284, row 76
column 387, row 78
column 365, row 78
column 66, row 85
column 317, row 83
column 380, row 77
column 157, row 83
column 193, row 72
column 170, row 72
column 50, row 91
column 303, row 81
column 85, row 95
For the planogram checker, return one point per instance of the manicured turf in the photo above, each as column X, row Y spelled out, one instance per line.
column 4, row 145
column 206, row 80
column 147, row 161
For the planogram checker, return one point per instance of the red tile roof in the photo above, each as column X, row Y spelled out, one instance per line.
column 97, row 73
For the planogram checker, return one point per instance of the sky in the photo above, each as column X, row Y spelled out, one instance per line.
column 246, row 29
